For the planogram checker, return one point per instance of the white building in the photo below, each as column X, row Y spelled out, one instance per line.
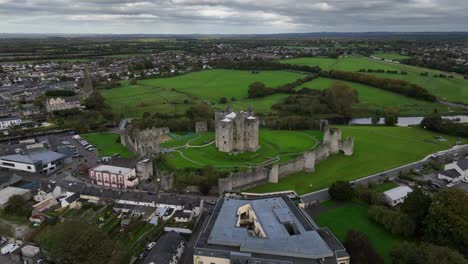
column 40, row 161
column 397, row 195
column 7, row 122
column 8, row 192
column 113, row 176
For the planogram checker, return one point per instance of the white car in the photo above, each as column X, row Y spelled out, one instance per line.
column 450, row 184
column 150, row 245
column 465, row 180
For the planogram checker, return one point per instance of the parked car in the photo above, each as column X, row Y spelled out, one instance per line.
column 150, row 245
column 436, row 185
column 211, row 202
column 450, row 185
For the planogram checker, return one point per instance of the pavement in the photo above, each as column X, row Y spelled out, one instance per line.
column 322, row 195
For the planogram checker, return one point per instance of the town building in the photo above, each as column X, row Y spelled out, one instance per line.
column 34, row 161
column 9, row 121
column 114, row 176
column 397, row 195
column 62, row 103
column 265, row 230
column 236, row 131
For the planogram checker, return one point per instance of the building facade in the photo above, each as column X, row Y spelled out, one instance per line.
column 62, row 103
column 10, row 121
column 114, row 177
column 236, row 131
column 35, row 161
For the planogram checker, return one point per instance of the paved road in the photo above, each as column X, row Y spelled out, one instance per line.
column 454, row 104
column 322, row 195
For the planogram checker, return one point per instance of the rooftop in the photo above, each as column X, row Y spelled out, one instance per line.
column 463, row 164
column 111, row 169
column 43, row 156
column 285, row 234
column 398, row 192
column 452, row 173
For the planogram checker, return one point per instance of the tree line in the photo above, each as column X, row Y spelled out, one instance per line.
column 259, row 89
column 262, row 64
column 445, row 126
column 392, row 85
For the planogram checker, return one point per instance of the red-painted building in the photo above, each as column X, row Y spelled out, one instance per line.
column 113, row 176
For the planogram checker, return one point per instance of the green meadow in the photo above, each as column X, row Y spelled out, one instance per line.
column 107, row 144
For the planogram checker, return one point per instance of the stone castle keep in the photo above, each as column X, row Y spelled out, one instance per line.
column 236, row 131
column 143, row 142
column 332, row 144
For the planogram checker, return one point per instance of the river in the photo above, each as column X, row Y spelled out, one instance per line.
column 405, row 121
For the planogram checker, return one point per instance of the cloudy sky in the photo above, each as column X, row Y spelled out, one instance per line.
column 230, row 16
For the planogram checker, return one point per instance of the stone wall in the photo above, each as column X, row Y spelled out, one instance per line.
column 201, row 127
column 144, row 143
column 306, row 162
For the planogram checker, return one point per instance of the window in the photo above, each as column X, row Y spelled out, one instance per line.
column 29, row 167
column 8, row 164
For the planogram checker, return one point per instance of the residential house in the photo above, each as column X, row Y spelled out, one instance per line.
column 397, row 195
column 455, row 171
column 9, row 121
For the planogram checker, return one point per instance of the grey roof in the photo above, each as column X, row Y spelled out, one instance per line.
column 398, row 192
column 272, row 213
column 463, row 164
column 43, row 156
column 165, row 248
column 452, row 173
column 9, row 118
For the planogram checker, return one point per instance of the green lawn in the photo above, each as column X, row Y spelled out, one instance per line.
column 451, row 89
column 107, row 144
column 372, row 99
column 383, row 187
column 377, row 148
column 273, row 143
column 176, row 94
column 391, row 56
column 353, row 216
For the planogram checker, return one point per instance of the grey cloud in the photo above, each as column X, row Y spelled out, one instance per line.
column 234, row 16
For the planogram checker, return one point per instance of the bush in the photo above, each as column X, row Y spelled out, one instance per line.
column 360, row 248
column 396, row 222
column 341, row 191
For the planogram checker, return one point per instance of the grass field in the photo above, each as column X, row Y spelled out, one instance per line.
column 107, row 145
column 345, row 217
column 177, row 94
column 376, row 148
column 272, row 144
column 391, row 56
column 451, row 89
column 372, row 99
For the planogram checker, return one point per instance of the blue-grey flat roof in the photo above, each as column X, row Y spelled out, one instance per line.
column 44, row 156
column 272, row 214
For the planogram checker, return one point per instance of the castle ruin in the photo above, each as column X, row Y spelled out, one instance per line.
column 143, row 142
column 236, row 131
column 332, row 144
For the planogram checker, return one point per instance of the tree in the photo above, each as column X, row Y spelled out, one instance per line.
column 412, row 253
column 200, row 112
column 447, row 220
column 391, row 116
column 394, row 221
column 341, row 191
column 360, row 248
column 95, row 101
column 416, row 206
column 79, row 242
column 341, row 99
column 375, row 120
column 17, row 205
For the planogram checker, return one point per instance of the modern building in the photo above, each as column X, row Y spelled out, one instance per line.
column 34, row 161
column 236, row 131
column 9, row 121
column 265, row 230
column 114, row 176
column 397, row 195
column 62, row 103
